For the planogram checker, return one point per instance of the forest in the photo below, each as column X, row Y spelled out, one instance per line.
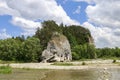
column 29, row 49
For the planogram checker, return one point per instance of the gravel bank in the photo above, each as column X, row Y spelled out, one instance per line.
column 76, row 65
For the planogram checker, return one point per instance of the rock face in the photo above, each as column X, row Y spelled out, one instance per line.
column 91, row 41
column 58, row 49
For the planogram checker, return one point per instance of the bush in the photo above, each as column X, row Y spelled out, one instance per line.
column 83, row 63
column 114, row 61
column 75, row 56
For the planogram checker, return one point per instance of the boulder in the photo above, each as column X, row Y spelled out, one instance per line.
column 58, row 49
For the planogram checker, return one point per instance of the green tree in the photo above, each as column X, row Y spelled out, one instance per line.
column 117, row 52
column 9, row 49
column 30, row 50
column 45, row 33
column 91, row 51
column 77, row 34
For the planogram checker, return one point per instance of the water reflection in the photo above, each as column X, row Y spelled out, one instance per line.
column 71, row 75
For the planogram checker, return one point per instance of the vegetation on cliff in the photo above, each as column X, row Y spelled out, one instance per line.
column 79, row 38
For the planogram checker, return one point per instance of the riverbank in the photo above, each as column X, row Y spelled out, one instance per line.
column 75, row 65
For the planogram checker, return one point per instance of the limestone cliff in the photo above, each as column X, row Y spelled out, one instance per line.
column 91, row 40
column 58, row 49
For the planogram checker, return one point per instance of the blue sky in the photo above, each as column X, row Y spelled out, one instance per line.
column 5, row 23
column 70, row 8
column 101, row 17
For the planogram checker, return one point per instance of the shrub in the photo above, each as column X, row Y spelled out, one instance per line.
column 75, row 56
column 114, row 61
column 83, row 63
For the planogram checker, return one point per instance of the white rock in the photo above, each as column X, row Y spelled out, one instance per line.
column 58, row 49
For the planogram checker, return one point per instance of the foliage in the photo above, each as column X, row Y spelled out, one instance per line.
column 75, row 56
column 30, row 50
column 114, row 61
column 14, row 49
column 77, row 35
column 83, row 63
column 5, row 69
column 9, row 49
column 108, row 52
column 85, row 51
column 45, row 33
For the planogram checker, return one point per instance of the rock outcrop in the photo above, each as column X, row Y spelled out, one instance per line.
column 58, row 49
column 91, row 40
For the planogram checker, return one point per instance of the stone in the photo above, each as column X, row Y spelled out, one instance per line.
column 91, row 40
column 58, row 49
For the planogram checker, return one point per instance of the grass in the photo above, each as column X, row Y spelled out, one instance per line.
column 106, row 58
column 62, row 64
column 8, row 62
column 5, row 69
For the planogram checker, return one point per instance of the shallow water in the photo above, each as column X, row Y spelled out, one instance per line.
column 24, row 74
column 70, row 75
column 89, row 74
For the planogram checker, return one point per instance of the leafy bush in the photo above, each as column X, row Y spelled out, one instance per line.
column 114, row 61
column 75, row 56
column 23, row 51
column 83, row 63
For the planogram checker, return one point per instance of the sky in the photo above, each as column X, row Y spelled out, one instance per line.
column 101, row 17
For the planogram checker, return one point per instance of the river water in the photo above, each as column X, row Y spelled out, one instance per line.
column 90, row 74
column 87, row 74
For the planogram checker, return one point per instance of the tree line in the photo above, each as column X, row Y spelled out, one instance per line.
column 30, row 49
column 19, row 49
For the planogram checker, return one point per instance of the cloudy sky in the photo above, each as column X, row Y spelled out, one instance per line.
column 101, row 17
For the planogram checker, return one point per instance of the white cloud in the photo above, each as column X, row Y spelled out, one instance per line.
column 40, row 9
column 77, row 11
column 88, row 1
column 105, row 16
column 3, row 34
column 28, row 26
column 104, row 36
column 6, row 10
column 28, row 32
column 105, row 13
column 26, row 12
column 24, row 23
